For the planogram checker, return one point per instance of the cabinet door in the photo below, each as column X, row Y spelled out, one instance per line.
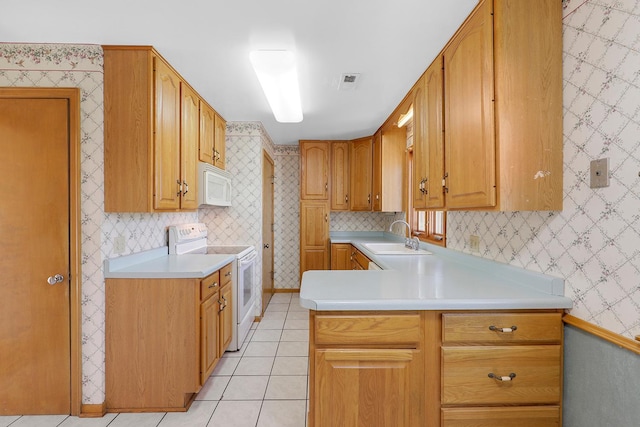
column 361, row 159
column 341, row 256
column 377, row 172
column 469, row 113
column 314, row 236
column 167, row 137
column 209, row 341
column 420, row 154
column 389, row 170
column 339, row 175
column 207, row 133
column 226, row 318
column 314, row 170
column 367, row 387
column 189, row 140
column 220, row 157
column 433, row 134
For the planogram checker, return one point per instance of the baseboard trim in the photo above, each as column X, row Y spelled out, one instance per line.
column 286, row 291
column 612, row 337
column 93, row 410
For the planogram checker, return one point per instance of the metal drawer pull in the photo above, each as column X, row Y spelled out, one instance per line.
column 499, row 378
column 213, row 285
column 511, row 329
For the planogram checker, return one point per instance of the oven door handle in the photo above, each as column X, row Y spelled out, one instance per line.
column 248, row 259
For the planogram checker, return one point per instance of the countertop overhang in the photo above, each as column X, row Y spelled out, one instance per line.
column 158, row 264
column 444, row 280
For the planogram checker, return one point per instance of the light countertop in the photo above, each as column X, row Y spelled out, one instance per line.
column 444, row 280
column 158, row 264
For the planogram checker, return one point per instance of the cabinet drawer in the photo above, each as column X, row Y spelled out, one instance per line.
column 360, row 258
column 466, row 370
column 225, row 275
column 532, row 416
column 368, row 329
column 209, row 285
column 488, row 327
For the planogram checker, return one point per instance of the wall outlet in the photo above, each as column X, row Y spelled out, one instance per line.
column 474, row 243
column 119, row 244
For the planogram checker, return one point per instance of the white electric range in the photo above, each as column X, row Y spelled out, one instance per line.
column 185, row 239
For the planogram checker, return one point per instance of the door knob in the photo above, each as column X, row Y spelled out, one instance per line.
column 52, row 280
column 266, row 246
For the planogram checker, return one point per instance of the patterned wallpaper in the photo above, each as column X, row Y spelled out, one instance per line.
column 593, row 242
column 49, row 65
column 241, row 223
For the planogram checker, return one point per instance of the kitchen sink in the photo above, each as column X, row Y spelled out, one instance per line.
column 393, row 249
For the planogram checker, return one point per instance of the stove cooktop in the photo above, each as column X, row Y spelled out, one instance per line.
column 226, row 249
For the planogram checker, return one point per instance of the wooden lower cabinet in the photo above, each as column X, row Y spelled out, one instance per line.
column 377, row 387
column 367, row 369
column 163, row 339
column 436, row 369
column 225, row 318
column 341, row 256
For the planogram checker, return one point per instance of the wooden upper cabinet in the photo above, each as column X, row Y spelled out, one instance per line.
column 151, row 133
column 420, row 153
column 220, row 157
column 207, row 133
column 361, row 161
column 434, row 135
column 388, row 169
column 314, row 170
column 470, row 137
column 190, row 132
column 340, row 175
column 503, row 108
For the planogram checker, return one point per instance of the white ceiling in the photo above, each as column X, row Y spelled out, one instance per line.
column 389, row 42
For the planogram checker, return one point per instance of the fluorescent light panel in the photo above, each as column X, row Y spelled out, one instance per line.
column 278, row 76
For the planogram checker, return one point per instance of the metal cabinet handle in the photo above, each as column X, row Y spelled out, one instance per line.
column 265, row 246
column 179, row 188
column 346, row 198
column 227, row 274
column 53, row 280
column 505, row 330
column 213, row 285
column 499, row 378
column 186, row 188
column 369, row 198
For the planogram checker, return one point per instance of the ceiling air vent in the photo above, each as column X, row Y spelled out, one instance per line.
column 349, row 81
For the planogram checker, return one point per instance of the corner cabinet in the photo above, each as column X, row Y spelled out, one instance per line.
column 163, row 339
column 503, row 108
column 389, row 146
column 361, row 174
column 152, row 129
column 340, row 175
column 314, row 170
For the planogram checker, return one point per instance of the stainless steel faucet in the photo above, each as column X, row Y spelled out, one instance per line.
column 409, row 242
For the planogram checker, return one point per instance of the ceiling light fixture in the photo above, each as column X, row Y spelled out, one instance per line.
column 278, row 76
column 404, row 118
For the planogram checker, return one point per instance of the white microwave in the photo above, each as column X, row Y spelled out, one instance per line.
column 214, row 186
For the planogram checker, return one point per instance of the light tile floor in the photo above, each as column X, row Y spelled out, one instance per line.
column 265, row 384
